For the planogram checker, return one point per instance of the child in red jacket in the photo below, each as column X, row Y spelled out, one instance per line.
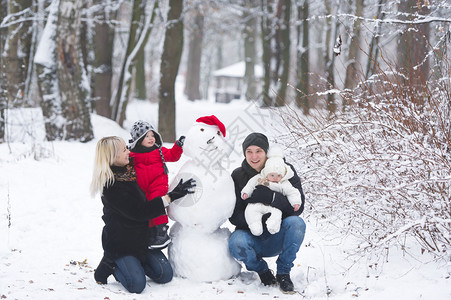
column 152, row 174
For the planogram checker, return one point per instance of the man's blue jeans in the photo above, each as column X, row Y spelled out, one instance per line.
column 132, row 273
column 251, row 249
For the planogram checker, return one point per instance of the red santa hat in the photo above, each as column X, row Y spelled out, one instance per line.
column 212, row 120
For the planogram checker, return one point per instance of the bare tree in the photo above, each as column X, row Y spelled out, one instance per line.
column 329, row 55
column 73, row 85
column 374, row 45
column 120, row 98
column 275, row 30
column 170, row 61
column 47, row 77
column 267, row 34
column 282, row 51
column 250, row 51
column 140, row 29
column 140, row 75
column 15, row 51
column 196, row 33
column 62, row 82
column 302, row 54
column 353, row 64
column 141, row 57
column 102, row 62
column 413, row 43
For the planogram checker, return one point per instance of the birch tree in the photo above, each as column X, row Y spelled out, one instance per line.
column 170, row 61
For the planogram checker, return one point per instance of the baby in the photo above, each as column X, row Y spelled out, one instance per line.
column 275, row 176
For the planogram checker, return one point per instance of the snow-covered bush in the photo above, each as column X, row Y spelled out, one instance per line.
column 380, row 171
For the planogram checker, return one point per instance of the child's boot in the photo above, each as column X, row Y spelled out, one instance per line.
column 160, row 238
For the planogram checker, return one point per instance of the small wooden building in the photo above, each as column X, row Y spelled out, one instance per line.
column 230, row 81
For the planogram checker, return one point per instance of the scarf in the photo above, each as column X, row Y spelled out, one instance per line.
column 126, row 173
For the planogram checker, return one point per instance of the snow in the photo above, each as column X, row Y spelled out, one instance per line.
column 51, row 227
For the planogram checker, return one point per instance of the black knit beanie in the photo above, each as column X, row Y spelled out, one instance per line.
column 256, row 139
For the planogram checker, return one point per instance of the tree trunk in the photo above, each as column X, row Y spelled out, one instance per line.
column 140, row 29
column 374, row 45
column 140, row 75
column 101, row 74
column 47, row 77
column 302, row 99
column 124, row 84
column 16, row 54
column 72, row 80
column 170, row 61
column 413, row 45
column 194, row 56
column 250, row 52
column 329, row 58
column 3, row 94
column 351, row 79
column 267, row 34
column 140, row 78
column 3, row 31
column 282, row 51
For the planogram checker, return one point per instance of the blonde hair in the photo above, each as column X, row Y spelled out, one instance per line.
column 107, row 151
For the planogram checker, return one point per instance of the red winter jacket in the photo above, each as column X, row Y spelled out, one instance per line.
column 149, row 170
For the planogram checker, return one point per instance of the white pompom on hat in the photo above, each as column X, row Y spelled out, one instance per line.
column 275, row 162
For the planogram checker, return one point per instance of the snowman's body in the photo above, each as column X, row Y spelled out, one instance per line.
column 199, row 249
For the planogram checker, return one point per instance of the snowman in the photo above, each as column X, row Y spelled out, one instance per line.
column 199, row 249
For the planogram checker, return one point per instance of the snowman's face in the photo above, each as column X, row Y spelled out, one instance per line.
column 202, row 138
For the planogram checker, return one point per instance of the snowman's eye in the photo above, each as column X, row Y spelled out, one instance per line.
column 202, row 129
column 219, row 132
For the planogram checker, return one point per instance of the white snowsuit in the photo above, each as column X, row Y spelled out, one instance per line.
column 254, row 211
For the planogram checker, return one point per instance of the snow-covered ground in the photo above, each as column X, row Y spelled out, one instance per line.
column 50, row 227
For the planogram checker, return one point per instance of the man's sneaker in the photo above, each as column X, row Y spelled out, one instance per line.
column 160, row 238
column 285, row 283
column 267, row 278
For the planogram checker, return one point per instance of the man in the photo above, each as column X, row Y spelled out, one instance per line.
column 251, row 249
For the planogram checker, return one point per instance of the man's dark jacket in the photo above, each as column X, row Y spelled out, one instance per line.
column 261, row 194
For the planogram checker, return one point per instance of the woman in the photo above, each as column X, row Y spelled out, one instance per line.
column 126, row 213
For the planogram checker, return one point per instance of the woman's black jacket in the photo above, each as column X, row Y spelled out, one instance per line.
column 126, row 213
